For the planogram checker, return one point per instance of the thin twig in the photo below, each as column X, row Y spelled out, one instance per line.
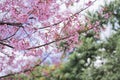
column 2, row 43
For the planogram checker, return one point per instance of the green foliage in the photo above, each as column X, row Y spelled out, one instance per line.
column 81, row 63
column 111, row 69
column 80, row 60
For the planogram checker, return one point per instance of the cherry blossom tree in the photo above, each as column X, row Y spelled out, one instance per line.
column 29, row 28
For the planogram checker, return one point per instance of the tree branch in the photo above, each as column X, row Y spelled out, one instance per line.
column 49, row 43
column 6, row 45
column 69, row 16
column 11, row 24
column 57, row 40
column 10, row 35
column 38, row 64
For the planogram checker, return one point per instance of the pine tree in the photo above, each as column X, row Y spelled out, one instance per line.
column 81, row 63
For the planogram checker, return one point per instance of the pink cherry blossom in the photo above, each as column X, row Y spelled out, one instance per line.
column 31, row 28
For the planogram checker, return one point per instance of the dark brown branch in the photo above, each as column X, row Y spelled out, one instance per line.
column 84, row 8
column 10, row 35
column 57, row 40
column 49, row 43
column 20, row 24
column 69, row 16
column 4, row 44
column 11, row 24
